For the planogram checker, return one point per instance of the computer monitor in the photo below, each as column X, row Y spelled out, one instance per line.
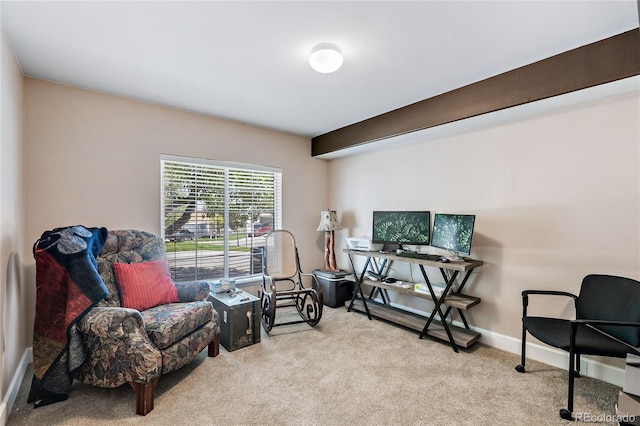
column 453, row 232
column 401, row 227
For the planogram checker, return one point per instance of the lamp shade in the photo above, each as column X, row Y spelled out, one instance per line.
column 329, row 221
column 325, row 58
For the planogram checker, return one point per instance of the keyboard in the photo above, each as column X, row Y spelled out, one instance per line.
column 424, row 256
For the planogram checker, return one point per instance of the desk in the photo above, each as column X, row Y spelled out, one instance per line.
column 451, row 296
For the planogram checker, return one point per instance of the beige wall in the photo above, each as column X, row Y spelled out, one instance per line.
column 12, row 287
column 94, row 159
column 556, row 194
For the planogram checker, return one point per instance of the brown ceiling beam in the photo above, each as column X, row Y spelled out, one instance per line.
column 604, row 61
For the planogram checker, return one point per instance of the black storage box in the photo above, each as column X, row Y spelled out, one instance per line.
column 239, row 319
column 336, row 290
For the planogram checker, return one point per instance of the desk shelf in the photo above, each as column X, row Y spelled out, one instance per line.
column 461, row 336
column 462, row 266
column 457, row 301
column 453, row 299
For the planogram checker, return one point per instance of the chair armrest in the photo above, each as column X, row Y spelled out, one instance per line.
column 193, row 291
column 606, row 322
column 526, row 293
column 314, row 281
column 549, row 293
column 272, row 285
column 117, row 348
column 593, row 322
column 111, row 322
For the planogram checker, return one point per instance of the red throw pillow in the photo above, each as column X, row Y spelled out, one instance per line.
column 144, row 285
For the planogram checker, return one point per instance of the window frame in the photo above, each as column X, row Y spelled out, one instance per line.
column 228, row 168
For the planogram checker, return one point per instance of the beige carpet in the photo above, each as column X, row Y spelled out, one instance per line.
column 348, row 370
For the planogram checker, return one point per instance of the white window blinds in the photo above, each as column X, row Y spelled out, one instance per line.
column 215, row 216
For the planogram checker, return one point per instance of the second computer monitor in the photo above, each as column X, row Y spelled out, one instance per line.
column 453, row 232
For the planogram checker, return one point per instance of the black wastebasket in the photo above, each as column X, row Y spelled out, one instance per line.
column 335, row 288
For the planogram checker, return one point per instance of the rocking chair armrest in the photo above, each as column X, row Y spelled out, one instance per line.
column 314, row 280
column 272, row 285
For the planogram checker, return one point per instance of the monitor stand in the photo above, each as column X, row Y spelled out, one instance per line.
column 455, row 256
column 404, row 250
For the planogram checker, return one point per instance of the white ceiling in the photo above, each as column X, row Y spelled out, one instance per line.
column 247, row 61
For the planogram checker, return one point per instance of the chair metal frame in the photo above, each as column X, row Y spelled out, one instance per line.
column 581, row 333
column 285, row 268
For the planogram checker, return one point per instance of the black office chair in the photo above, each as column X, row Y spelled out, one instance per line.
column 607, row 324
column 282, row 283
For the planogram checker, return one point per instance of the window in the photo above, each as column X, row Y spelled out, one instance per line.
column 215, row 216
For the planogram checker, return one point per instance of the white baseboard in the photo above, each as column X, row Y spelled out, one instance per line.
column 546, row 354
column 552, row 356
column 14, row 386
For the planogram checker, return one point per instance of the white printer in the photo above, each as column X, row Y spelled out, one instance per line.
column 363, row 243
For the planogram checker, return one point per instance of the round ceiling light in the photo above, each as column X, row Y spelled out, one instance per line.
column 325, row 58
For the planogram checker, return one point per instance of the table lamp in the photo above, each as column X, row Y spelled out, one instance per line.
column 329, row 223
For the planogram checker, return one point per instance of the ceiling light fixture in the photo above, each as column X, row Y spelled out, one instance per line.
column 325, row 58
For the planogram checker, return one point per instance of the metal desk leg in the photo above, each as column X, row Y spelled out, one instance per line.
column 458, row 291
column 384, row 294
column 438, row 302
column 359, row 286
column 358, row 281
column 462, row 317
column 379, row 271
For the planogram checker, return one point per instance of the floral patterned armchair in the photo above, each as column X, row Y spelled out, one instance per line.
column 124, row 345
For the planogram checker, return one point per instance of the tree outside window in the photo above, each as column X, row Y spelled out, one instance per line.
column 215, row 216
